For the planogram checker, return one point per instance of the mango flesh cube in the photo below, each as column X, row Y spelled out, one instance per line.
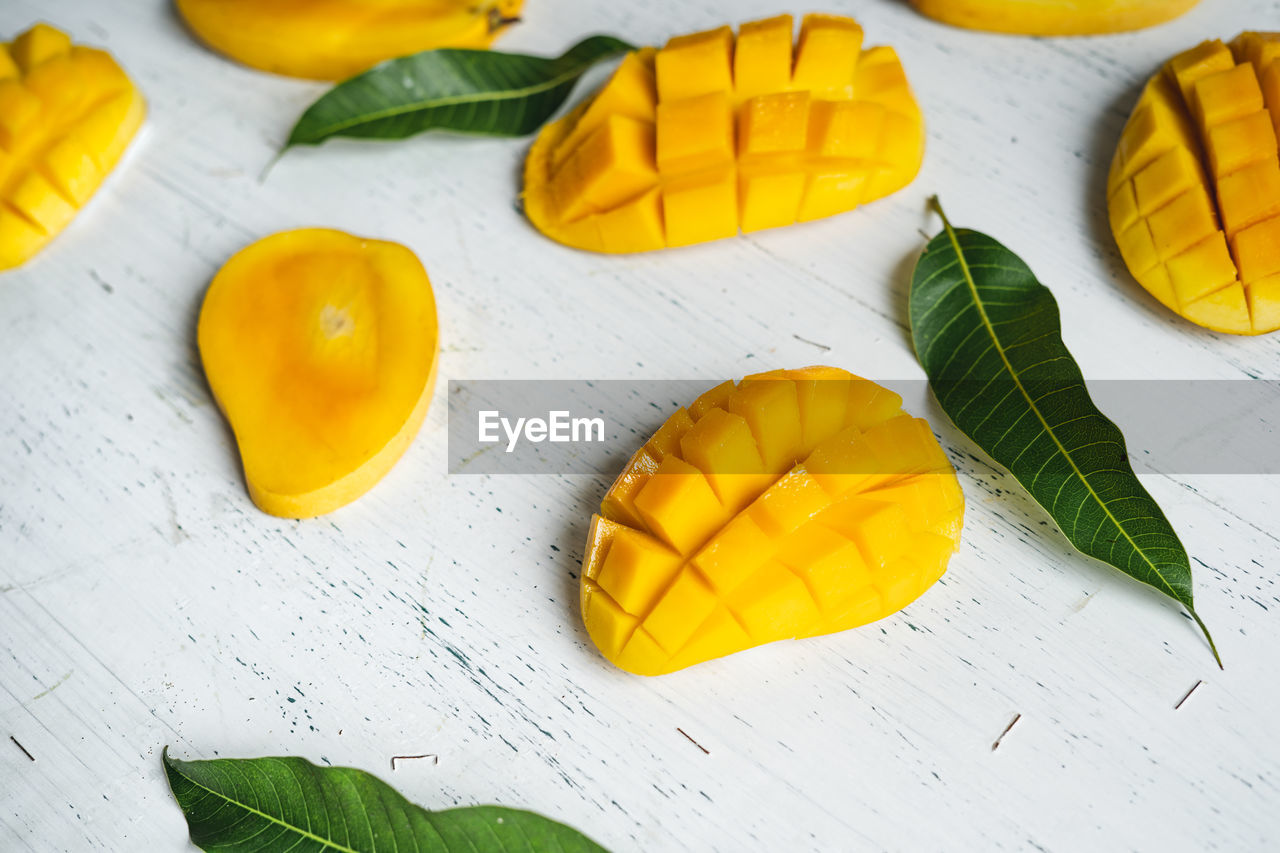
column 722, row 447
column 1233, row 145
column 827, row 56
column 678, row 506
column 1194, row 186
column 701, row 207
column 747, row 133
column 1258, row 250
column 1264, row 299
column 1249, row 195
column 636, row 569
column 1225, row 309
column 629, row 92
column 772, row 412
column 775, row 122
column 696, row 64
column 1225, row 95
column 769, row 199
column 1203, row 60
column 791, row 504
column 684, row 605
column 774, row 604
column 762, row 57
column 635, row 226
column 37, row 46
column 693, row 133
column 829, row 563
column 614, row 164
column 67, row 113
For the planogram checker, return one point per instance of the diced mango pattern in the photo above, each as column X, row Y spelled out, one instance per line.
column 792, row 504
column 713, row 135
column 1194, row 188
column 67, row 113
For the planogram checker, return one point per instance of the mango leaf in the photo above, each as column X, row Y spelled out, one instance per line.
column 470, row 91
column 278, row 804
column 988, row 335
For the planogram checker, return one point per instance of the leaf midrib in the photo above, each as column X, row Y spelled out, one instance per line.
column 995, row 340
column 452, row 100
column 299, row 830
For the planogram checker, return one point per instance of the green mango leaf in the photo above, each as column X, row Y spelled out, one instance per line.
column 470, row 91
column 988, row 335
column 279, row 804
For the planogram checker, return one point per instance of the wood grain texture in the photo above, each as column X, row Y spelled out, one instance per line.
column 144, row 601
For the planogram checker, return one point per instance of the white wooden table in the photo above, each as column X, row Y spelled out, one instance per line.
column 144, row 601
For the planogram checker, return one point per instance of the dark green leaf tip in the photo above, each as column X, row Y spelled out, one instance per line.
column 1208, row 637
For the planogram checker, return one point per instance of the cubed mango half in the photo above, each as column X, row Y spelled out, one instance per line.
column 67, row 113
column 1194, row 187
column 791, row 504
column 726, row 135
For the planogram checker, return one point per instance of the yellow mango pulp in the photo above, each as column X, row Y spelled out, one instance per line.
column 1054, row 17
column 711, row 135
column 67, row 113
column 1194, row 188
column 320, row 348
column 335, row 39
column 792, row 504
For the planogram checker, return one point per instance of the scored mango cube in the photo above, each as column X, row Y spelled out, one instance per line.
column 67, row 113
column 794, row 503
column 748, row 133
column 762, row 57
column 1194, row 187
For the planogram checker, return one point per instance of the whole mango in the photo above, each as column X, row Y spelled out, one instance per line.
column 334, row 39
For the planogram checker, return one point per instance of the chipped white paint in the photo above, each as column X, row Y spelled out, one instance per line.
column 144, row 601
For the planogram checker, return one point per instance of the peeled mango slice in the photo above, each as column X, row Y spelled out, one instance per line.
column 320, row 349
column 712, row 135
column 792, row 504
column 1054, row 17
column 1194, row 189
column 336, row 39
column 67, row 113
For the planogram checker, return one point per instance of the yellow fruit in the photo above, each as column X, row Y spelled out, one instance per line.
column 712, row 135
column 1194, row 189
column 792, row 504
column 335, row 39
column 320, row 349
column 67, row 113
column 1054, row 17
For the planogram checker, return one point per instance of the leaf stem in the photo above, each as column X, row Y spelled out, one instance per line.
column 937, row 208
column 1213, row 648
